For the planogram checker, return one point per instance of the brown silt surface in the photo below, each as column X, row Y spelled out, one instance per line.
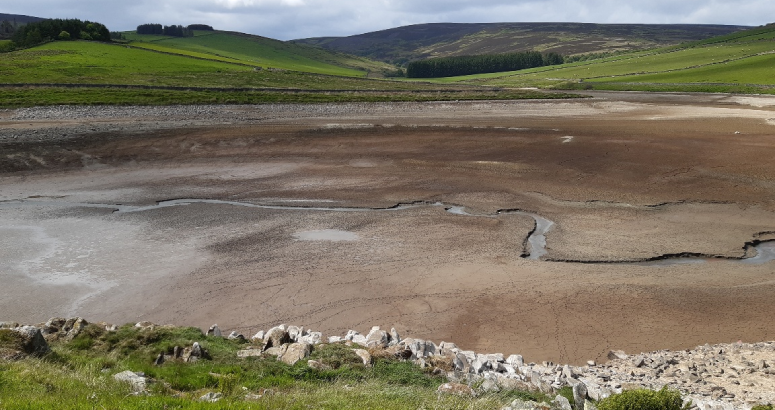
column 418, row 216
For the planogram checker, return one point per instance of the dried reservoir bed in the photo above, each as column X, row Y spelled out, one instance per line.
column 643, row 176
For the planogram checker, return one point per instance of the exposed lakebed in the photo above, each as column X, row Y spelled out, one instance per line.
column 758, row 252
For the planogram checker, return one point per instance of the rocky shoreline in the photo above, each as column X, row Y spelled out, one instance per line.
column 722, row 376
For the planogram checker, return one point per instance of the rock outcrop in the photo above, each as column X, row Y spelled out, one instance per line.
column 735, row 375
column 723, row 376
column 22, row 341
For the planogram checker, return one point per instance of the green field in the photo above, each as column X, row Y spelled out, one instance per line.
column 81, row 62
column 739, row 62
column 756, row 69
column 200, row 77
column 261, row 52
column 226, row 67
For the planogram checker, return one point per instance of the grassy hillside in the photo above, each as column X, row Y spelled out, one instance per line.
column 82, row 62
column 402, row 44
column 260, row 51
column 135, row 75
column 78, row 374
column 739, row 62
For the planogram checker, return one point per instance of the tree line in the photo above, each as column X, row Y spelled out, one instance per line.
column 7, row 28
column 32, row 34
column 173, row 31
column 203, row 27
column 480, row 64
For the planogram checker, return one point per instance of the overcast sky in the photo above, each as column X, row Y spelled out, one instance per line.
column 292, row 19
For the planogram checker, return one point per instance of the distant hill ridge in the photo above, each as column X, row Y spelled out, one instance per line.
column 20, row 18
column 402, row 44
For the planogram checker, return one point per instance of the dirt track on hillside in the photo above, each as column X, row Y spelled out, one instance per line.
column 642, row 176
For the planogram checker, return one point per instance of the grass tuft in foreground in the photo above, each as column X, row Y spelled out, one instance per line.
column 78, row 374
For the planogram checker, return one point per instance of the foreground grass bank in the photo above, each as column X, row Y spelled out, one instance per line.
column 78, row 374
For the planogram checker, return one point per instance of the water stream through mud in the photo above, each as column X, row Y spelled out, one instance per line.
column 535, row 242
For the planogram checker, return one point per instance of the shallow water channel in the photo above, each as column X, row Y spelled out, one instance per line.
column 536, row 240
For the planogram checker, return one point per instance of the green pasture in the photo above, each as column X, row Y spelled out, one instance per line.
column 659, row 65
column 262, row 52
column 90, row 62
column 752, row 70
column 81, row 62
column 738, row 62
column 153, row 46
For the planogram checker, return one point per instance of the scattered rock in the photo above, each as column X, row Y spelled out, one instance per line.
column 516, row 360
column 377, row 337
column 295, row 352
column 314, row 364
column 194, row 353
column 276, row 336
column 579, row 393
column 561, row 403
column 456, row 389
column 25, row 340
column 518, row 404
column 258, row 336
column 394, row 338
column 214, row 330
column 138, row 381
column 234, row 335
column 489, row 386
column 211, row 397
column 616, row 354
column 145, row 325
column 731, row 376
column 364, row 355
column 276, row 351
column 312, row 338
column 249, row 352
column 295, row 332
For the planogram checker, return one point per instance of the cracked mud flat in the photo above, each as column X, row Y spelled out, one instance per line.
column 643, row 176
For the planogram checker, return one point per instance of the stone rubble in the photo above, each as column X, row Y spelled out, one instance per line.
column 714, row 377
column 30, row 342
column 718, row 377
column 138, row 381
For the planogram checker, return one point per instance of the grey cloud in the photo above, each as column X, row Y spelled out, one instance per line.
column 289, row 19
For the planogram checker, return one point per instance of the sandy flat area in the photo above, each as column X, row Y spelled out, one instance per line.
column 624, row 177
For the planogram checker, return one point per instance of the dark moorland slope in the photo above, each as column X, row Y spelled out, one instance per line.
column 402, row 44
column 19, row 18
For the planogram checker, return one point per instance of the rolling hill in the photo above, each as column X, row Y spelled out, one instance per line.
column 88, row 72
column 738, row 62
column 19, row 18
column 402, row 44
column 12, row 21
column 257, row 51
